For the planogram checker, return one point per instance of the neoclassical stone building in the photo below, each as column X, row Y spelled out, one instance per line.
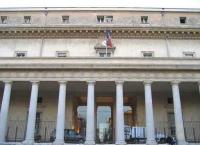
column 57, row 75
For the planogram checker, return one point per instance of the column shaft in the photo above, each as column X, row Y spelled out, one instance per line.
column 150, row 130
column 120, row 140
column 90, row 126
column 32, row 114
column 4, row 111
column 180, row 135
column 60, row 124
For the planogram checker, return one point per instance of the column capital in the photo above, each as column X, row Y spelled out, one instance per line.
column 175, row 82
column 119, row 82
column 147, row 82
column 91, row 82
column 62, row 82
column 35, row 82
column 7, row 82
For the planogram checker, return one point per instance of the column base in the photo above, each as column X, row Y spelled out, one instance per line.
column 120, row 143
column 58, row 142
column 89, row 142
column 151, row 142
column 28, row 142
column 182, row 143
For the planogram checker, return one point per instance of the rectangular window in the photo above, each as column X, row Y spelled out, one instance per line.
column 65, row 19
column 104, row 19
column 170, row 101
column 61, row 54
column 109, row 19
column 27, row 19
column 102, row 54
column 20, row 54
column 147, row 54
column 144, row 19
column 188, row 54
column 182, row 20
column 100, row 19
column 4, row 19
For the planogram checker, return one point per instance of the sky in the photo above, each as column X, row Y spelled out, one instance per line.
column 102, row 3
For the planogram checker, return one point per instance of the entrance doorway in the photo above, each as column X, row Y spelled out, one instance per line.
column 104, row 125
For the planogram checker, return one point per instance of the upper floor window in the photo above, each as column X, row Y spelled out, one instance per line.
column 104, row 19
column 27, row 19
column 147, row 53
column 144, row 19
column 20, row 54
column 182, row 20
column 4, row 19
column 65, row 19
column 61, row 53
column 189, row 54
column 103, row 54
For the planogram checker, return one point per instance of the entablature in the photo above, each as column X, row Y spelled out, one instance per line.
column 94, row 63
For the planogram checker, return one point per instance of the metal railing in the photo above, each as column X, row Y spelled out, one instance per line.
column 17, row 129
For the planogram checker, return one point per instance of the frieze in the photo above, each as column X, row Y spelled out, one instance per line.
column 81, row 32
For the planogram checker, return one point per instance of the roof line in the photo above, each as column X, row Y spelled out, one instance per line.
column 99, row 8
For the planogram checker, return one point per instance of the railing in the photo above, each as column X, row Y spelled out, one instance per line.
column 192, row 131
column 17, row 130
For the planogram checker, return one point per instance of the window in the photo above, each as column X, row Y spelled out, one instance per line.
column 103, row 54
column 147, row 54
column 65, row 19
column 170, row 101
column 188, row 54
column 4, row 19
column 61, row 54
column 100, row 19
column 27, row 19
column 104, row 19
column 40, row 100
column 182, row 20
column 20, row 54
column 109, row 19
column 144, row 19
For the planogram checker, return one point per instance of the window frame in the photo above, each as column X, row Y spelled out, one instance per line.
column 187, row 54
column 184, row 19
column 5, row 20
column 144, row 19
column 143, row 52
column 27, row 19
column 16, row 54
column 65, row 19
column 66, row 54
column 99, row 17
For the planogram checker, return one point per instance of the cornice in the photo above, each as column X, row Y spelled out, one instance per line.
column 95, row 32
column 95, row 63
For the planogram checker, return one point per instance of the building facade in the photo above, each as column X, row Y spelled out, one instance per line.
column 61, row 83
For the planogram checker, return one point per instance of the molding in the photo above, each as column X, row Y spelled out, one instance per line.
column 87, row 31
column 100, row 75
column 98, row 63
column 144, row 9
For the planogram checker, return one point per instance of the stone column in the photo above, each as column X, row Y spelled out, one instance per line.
column 29, row 140
column 150, row 130
column 90, row 126
column 60, row 123
column 119, row 128
column 180, row 135
column 5, row 110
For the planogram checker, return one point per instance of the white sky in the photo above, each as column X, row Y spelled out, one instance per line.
column 102, row 3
